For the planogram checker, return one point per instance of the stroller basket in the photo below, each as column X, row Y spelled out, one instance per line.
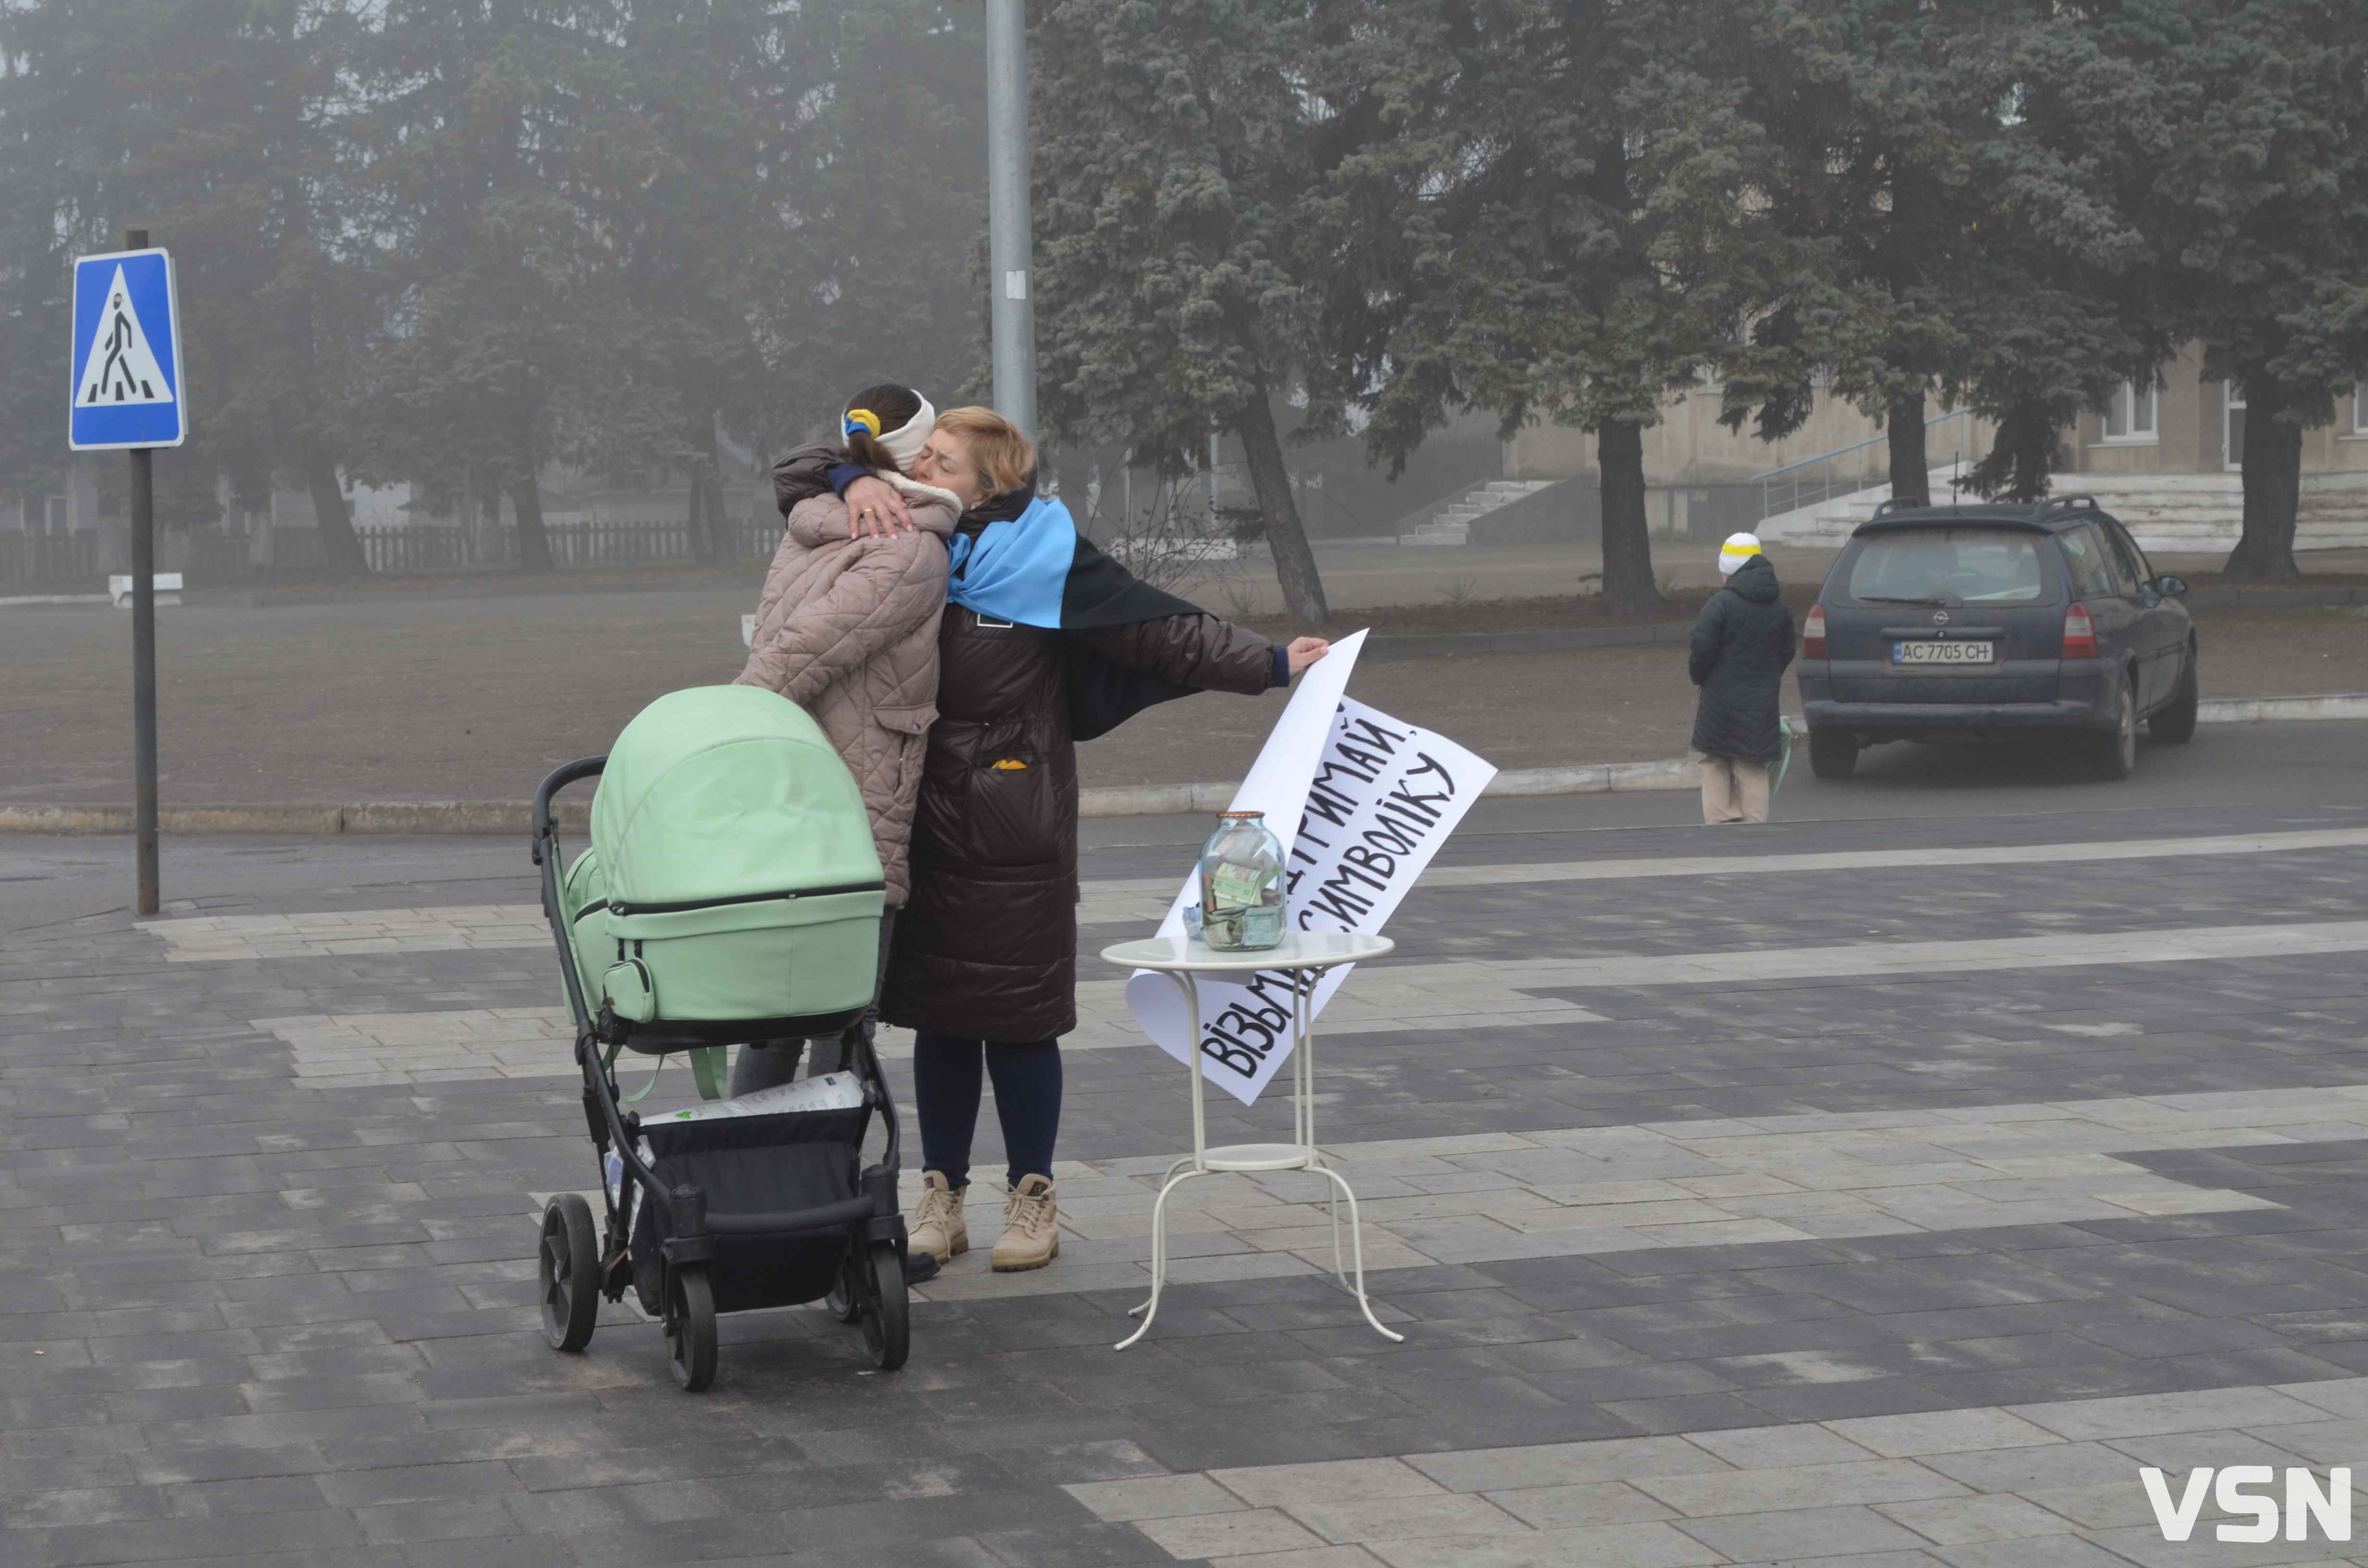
column 723, row 1211
column 780, row 1192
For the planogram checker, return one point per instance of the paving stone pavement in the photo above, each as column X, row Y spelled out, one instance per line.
column 2044, row 1482
column 1916, row 1262
column 328, row 931
column 1489, row 1198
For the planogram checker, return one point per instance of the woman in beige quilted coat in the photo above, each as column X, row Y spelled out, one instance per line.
column 847, row 629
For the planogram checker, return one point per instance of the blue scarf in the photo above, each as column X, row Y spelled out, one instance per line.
column 1020, row 558
column 1016, row 569
column 1033, row 568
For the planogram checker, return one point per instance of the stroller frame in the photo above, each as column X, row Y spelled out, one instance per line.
column 577, row 1266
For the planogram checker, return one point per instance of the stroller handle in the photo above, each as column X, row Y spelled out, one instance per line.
column 559, row 778
column 545, row 828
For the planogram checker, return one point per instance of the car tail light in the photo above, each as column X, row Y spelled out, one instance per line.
column 2079, row 633
column 1812, row 633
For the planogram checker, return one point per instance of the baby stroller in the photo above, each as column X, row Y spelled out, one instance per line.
column 730, row 895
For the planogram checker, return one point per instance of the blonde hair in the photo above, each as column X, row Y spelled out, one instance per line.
column 1003, row 454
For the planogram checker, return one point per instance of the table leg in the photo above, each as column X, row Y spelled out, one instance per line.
column 1150, row 1309
column 1302, row 1051
column 1339, row 1268
column 1356, row 1246
column 1192, row 1064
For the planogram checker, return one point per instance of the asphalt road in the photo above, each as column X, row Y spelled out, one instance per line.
column 413, row 697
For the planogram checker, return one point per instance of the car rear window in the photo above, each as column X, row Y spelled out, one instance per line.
column 1950, row 566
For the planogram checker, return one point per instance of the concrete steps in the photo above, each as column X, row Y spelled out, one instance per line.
column 2197, row 514
column 2203, row 513
column 1451, row 523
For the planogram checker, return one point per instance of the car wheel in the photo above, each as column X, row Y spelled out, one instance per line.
column 2117, row 748
column 1833, row 753
column 2176, row 724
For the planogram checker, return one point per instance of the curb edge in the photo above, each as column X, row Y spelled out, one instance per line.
column 494, row 817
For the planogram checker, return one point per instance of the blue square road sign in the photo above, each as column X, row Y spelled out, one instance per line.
column 127, row 390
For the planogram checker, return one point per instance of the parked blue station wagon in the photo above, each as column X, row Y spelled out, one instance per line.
column 1974, row 622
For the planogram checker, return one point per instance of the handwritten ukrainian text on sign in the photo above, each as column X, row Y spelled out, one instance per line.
column 1380, row 798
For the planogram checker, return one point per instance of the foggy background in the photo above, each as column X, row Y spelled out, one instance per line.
column 1447, row 321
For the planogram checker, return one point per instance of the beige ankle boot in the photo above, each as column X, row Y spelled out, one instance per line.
column 1031, row 1228
column 937, row 1227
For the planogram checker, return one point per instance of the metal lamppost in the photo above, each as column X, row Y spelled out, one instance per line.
column 1010, row 253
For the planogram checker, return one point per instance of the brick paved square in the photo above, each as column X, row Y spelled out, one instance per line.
column 1879, row 1263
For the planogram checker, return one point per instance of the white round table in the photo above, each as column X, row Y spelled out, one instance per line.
column 1301, row 958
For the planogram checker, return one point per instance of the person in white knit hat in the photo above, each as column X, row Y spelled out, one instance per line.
column 1742, row 642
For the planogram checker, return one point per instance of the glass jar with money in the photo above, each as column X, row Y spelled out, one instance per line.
column 1241, row 885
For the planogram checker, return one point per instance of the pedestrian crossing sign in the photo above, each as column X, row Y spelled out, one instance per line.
column 127, row 390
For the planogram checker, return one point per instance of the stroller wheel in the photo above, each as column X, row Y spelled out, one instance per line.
column 691, row 1327
column 567, row 1273
column 887, row 1319
column 844, row 1301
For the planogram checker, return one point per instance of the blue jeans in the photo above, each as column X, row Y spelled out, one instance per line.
column 946, row 1085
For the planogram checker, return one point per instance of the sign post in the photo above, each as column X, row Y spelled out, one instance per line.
column 127, row 396
column 144, row 671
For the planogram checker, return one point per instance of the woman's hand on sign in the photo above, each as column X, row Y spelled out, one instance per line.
column 1305, row 650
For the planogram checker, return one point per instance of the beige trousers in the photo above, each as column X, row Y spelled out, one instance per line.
column 1733, row 791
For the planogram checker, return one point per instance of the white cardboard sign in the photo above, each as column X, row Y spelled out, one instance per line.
column 1374, row 800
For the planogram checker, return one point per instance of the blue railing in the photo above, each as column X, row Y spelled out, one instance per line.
column 1795, row 485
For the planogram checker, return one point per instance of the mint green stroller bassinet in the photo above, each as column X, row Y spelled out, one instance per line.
column 731, row 893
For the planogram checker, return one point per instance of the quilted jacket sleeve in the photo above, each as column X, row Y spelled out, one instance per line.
column 777, row 582
column 1198, row 650
column 803, row 473
column 895, row 584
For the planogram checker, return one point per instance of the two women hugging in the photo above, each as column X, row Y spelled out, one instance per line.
column 955, row 635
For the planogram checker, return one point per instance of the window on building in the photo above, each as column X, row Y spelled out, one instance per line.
column 2359, row 408
column 2130, row 412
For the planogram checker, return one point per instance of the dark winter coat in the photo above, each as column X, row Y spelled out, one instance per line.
column 987, row 947
column 805, row 471
column 1742, row 641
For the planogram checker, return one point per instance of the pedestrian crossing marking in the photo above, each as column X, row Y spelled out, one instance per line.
column 118, row 365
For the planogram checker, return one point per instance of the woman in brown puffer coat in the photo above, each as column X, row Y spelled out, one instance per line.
column 1047, row 641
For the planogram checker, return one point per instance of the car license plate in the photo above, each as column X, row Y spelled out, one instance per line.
column 1943, row 652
